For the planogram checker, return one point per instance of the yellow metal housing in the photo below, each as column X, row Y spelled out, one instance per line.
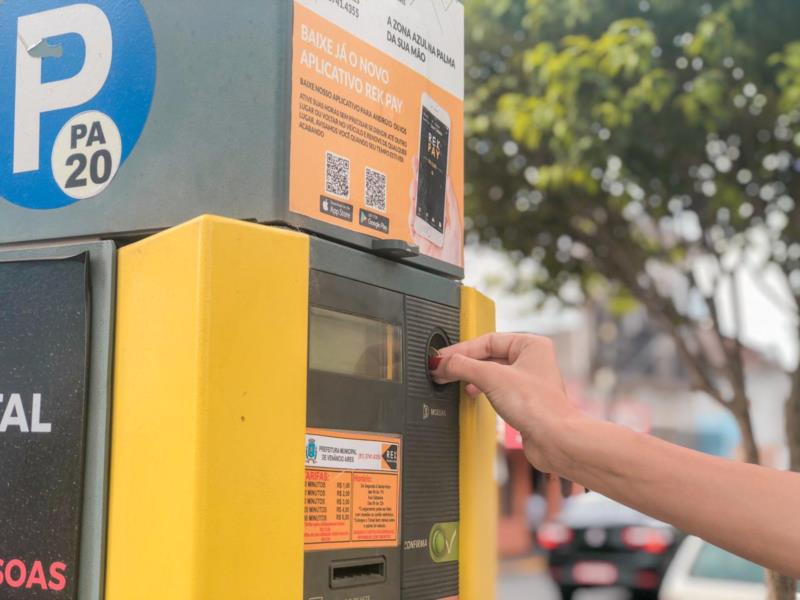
column 479, row 495
column 207, row 470
column 206, row 499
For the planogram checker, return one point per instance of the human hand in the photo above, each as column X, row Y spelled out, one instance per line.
column 452, row 250
column 520, row 376
column 744, row 508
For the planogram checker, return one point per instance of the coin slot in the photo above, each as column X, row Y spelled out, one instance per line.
column 436, row 343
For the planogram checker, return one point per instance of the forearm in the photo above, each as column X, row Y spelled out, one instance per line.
column 749, row 510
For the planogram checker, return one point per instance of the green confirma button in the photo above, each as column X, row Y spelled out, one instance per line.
column 443, row 542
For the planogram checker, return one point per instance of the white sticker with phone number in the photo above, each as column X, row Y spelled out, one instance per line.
column 427, row 36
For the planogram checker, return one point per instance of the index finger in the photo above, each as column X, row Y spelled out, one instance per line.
column 489, row 346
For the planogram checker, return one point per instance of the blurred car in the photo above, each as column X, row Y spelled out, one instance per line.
column 701, row 571
column 597, row 542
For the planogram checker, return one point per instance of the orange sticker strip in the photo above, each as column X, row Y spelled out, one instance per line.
column 357, row 504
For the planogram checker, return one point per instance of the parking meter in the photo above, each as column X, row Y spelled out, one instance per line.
column 275, row 426
column 230, row 239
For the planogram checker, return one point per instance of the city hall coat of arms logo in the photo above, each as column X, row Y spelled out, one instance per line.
column 311, row 451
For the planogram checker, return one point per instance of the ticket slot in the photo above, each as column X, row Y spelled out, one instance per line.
column 354, row 573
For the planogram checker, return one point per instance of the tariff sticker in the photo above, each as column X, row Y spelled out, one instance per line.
column 352, row 490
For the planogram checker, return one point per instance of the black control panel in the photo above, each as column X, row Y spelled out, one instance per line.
column 382, row 446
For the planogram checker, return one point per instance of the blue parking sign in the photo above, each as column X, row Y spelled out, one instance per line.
column 77, row 85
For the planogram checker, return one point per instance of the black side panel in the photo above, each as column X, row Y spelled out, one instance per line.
column 44, row 336
column 430, row 482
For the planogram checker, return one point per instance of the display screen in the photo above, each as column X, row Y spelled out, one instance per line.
column 353, row 345
column 434, row 141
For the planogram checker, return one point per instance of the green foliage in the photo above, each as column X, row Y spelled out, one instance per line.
column 618, row 144
column 788, row 78
column 608, row 135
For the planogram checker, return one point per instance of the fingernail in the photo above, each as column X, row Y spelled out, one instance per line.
column 434, row 362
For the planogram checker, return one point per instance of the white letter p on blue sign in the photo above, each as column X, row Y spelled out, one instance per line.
column 70, row 67
column 33, row 97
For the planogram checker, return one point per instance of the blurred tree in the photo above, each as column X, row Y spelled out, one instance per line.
column 650, row 149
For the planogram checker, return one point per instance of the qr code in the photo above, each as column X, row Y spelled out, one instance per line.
column 337, row 175
column 375, row 190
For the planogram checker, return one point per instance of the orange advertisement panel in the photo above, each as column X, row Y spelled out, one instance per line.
column 352, row 490
column 377, row 120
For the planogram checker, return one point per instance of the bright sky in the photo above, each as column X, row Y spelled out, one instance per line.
column 487, row 270
column 767, row 327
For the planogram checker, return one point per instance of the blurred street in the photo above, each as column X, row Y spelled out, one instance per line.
column 540, row 587
column 527, row 581
column 537, row 586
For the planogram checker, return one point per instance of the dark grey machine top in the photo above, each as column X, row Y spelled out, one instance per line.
column 360, row 266
column 215, row 140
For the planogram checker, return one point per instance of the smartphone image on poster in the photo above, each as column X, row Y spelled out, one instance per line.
column 434, row 147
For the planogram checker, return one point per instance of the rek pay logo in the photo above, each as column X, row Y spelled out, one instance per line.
column 74, row 98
